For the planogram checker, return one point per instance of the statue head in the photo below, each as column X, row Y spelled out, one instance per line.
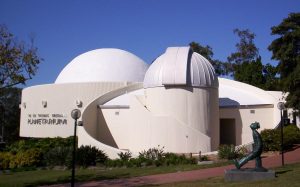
column 255, row 126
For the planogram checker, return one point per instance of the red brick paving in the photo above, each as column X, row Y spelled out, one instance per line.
column 269, row 162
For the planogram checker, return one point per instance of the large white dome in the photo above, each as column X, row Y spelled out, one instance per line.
column 104, row 65
column 181, row 66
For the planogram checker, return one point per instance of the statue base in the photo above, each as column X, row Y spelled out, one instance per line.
column 248, row 174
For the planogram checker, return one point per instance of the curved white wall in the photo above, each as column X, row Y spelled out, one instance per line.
column 137, row 129
column 245, row 94
column 60, row 101
column 197, row 108
column 178, row 108
column 169, row 117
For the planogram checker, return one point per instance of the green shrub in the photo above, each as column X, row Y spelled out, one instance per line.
column 227, row 152
column 125, row 156
column 44, row 144
column 101, row 157
column 85, row 156
column 241, row 151
column 114, row 163
column 124, row 160
column 29, row 158
column 171, row 159
column 174, row 159
column 132, row 162
column 54, row 151
column 89, row 156
column 272, row 138
column 34, row 152
column 152, row 153
column 59, row 156
column 151, row 157
column 135, row 162
column 5, row 159
column 291, row 136
column 18, row 146
column 204, row 158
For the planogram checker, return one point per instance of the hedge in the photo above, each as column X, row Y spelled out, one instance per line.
column 272, row 138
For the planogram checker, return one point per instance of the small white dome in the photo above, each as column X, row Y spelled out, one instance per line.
column 104, row 65
column 181, row 66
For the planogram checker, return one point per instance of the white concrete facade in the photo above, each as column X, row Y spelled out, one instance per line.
column 180, row 104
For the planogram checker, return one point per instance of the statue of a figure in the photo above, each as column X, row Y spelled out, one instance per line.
column 257, row 150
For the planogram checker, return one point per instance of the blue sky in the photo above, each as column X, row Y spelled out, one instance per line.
column 63, row 29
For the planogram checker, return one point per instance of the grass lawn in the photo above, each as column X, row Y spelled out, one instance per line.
column 42, row 177
column 288, row 175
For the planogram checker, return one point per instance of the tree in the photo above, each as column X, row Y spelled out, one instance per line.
column 246, row 64
column 245, row 56
column 18, row 62
column 271, row 79
column 250, row 72
column 286, row 49
column 10, row 113
column 246, row 49
column 206, row 52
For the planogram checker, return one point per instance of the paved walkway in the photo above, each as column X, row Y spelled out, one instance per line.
column 269, row 162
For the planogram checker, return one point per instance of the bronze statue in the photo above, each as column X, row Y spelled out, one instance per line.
column 257, row 150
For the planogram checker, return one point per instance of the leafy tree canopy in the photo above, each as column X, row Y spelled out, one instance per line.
column 206, row 51
column 246, row 64
column 286, row 49
column 18, row 62
column 271, row 80
column 246, row 49
column 250, row 72
column 10, row 113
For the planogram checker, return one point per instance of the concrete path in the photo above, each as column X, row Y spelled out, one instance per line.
column 269, row 162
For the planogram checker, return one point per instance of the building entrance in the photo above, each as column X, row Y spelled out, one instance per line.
column 227, row 131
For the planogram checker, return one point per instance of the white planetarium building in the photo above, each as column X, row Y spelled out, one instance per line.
column 177, row 102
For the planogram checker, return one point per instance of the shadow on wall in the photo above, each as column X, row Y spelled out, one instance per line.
column 187, row 88
column 103, row 133
column 226, row 102
column 230, row 125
